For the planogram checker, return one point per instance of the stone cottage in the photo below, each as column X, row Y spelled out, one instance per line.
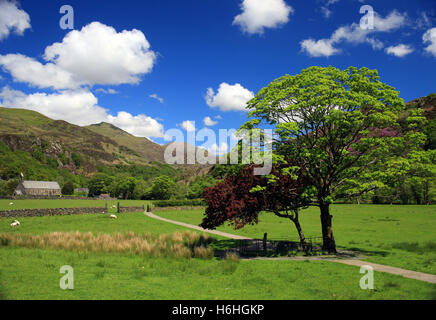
column 38, row 188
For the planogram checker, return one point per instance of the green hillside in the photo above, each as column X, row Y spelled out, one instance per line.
column 46, row 149
column 78, row 149
column 134, row 145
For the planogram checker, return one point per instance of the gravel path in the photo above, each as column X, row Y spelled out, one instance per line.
column 430, row 278
column 191, row 226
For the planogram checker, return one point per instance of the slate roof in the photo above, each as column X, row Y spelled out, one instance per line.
column 53, row 185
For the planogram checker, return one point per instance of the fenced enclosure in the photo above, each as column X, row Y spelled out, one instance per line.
column 276, row 247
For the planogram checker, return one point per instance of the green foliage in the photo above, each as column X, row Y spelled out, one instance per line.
column 342, row 125
column 37, row 153
column 63, row 158
column 12, row 163
column 162, row 188
column 68, row 188
column 99, row 183
column 197, row 186
column 4, row 188
column 430, row 132
column 76, row 159
column 220, row 171
column 140, row 190
column 123, row 188
column 145, row 172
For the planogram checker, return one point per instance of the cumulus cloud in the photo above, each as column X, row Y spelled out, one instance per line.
column 400, row 50
column 156, row 97
column 354, row 34
column 188, row 125
column 319, row 48
column 96, row 54
column 219, row 150
column 229, row 97
column 260, row 14
column 31, row 71
column 79, row 107
column 430, row 38
column 139, row 125
column 12, row 19
column 209, row 122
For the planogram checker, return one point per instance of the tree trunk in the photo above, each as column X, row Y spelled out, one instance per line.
column 300, row 232
column 328, row 239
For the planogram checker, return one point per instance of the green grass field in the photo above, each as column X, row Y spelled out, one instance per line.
column 61, row 203
column 394, row 235
column 400, row 236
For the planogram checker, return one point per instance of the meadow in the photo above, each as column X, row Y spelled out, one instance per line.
column 394, row 235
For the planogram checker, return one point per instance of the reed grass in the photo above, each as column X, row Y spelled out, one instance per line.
column 177, row 245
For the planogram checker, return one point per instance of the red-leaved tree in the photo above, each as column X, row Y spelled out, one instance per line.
column 239, row 199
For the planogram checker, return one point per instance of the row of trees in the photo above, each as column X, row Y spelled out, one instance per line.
column 161, row 188
column 337, row 135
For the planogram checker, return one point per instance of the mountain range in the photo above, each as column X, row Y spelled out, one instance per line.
column 81, row 150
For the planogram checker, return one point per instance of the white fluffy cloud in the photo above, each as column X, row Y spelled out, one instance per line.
column 96, row 54
column 209, row 122
column 354, row 34
column 260, row 14
column 319, row 48
column 223, row 148
column 430, row 38
column 80, row 107
column 31, row 71
column 139, row 125
column 12, row 19
column 188, row 125
column 400, row 50
column 229, row 97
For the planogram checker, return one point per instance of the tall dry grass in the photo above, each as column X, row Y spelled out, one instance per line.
column 178, row 245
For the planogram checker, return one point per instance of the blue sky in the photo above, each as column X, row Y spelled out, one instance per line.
column 149, row 66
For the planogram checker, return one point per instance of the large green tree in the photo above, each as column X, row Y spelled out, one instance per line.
column 162, row 188
column 339, row 127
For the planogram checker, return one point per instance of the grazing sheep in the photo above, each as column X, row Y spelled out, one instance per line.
column 112, row 216
column 11, row 203
column 114, row 206
column 15, row 223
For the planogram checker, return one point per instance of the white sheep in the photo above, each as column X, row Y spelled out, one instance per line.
column 11, row 203
column 15, row 223
column 112, row 216
column 114, row 206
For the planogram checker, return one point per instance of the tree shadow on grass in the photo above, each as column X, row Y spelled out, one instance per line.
column 361, row 251
column 224, row 244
